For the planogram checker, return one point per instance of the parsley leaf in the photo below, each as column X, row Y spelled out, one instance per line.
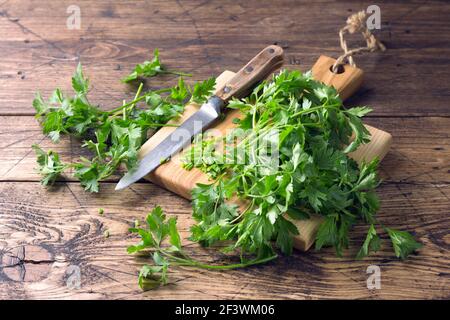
column 50, row 166
column 372, row 243
column 359, row 111
column 180, row 92
column 362, row 135
column 150, row 69
column 403, row 243
column 79, row 83
column 203, row 90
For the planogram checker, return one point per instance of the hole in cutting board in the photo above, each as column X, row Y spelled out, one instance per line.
column 340, row 69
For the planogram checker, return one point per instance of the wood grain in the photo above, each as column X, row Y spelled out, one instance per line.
column 66, row 224
column 191, row 35
column 52, row 229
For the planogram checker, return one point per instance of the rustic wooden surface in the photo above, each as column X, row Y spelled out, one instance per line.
column 45, row 234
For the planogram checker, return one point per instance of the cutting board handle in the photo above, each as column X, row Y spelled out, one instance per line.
column 257, row 69
column 346, row 81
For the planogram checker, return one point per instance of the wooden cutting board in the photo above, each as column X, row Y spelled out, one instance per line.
column 173, row 177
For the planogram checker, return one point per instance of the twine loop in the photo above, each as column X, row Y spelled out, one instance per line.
column 356, row 23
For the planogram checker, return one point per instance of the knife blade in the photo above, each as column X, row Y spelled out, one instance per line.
column 264, row 63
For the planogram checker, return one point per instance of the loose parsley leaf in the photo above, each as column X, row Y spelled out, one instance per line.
column 79, row 83
column 359, row 111
column 50, row 166
column 173, row 232
column 403, row 243
column 372, row 243
column 151, row 277
column 146, row 69
column 39, row 105
column 150, row 69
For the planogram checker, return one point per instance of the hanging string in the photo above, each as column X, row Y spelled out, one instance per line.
column 356, row 23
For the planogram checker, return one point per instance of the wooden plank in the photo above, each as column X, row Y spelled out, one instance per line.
column 40, row 53
column 420, row 152
column 62, row 229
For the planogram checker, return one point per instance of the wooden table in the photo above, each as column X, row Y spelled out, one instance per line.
column 48, row 236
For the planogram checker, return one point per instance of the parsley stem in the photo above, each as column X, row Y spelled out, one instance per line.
column 194, row 263
column 331, row 106
column 138, row 93
column 124, row 111
column 178, row 73
column 151, row 124
column 137, row 100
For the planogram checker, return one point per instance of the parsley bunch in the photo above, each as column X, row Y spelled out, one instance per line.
column 311, row 174
column 112, row 137
column 304, row 124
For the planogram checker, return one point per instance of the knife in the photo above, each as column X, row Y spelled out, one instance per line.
column 256, row 70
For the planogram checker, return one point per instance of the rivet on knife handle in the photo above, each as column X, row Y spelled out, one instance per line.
column 264, row 63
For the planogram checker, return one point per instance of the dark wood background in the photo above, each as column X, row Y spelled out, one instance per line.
column 45, row 232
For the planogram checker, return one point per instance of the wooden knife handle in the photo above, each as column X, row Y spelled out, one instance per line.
column 264, row 63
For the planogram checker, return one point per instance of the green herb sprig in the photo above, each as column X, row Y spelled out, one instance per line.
column 112, row 137
column 150, row 69
column 154, row 236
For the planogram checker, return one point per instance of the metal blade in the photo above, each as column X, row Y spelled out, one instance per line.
column 173, row 143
